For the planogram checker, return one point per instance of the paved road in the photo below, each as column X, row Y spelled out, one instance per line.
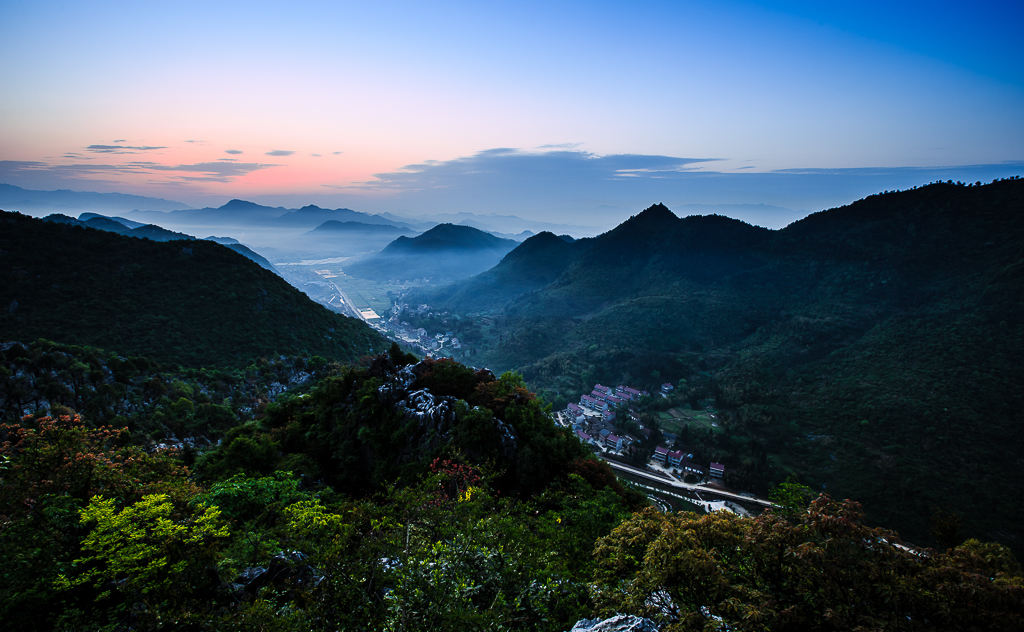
column 689, row 486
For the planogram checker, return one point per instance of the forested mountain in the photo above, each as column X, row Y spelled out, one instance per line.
column 446, row 251
column 871, row 349
column 194, row 302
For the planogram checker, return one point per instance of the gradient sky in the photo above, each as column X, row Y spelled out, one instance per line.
column 585, row 111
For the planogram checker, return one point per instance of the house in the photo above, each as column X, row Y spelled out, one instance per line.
column 608, row 415
column 690, row 467
column 717, row 470
column 613, row 400
column 584, row 437
column 627, row 392
column 613, row 442
column 667, row 388
column 574, row 410
column 660, row 454
column 600, row 388
column 594, row 403
column 675, row 458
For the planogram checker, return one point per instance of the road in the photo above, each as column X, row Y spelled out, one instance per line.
column 688, row 486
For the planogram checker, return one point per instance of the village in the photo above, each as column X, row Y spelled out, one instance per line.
column 600, row 420
column 440, row 344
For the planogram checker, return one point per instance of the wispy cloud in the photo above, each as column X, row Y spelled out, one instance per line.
column 233, row 151
column 579, row 185
column 217, row 171
column 120, row 149
column 280, row 152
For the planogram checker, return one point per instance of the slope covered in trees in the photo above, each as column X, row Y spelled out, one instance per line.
column 194, row 302
column 410, row 495
column 871, row 349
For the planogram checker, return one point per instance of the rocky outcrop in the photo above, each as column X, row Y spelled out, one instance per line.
column 618, row 623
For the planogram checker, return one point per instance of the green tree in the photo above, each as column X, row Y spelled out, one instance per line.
column 151, row 560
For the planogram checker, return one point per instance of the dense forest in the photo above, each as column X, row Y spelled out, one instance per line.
column 871, row 350
column 426, row 495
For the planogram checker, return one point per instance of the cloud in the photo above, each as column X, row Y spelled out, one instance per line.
column 219, row 171
column 232, row 151
column 120, row 149
column 280, row 152
column 509, row 169
column 316, row 155
column 48, row 175
column 337, row 153
column 120, row 140
column 588, row 188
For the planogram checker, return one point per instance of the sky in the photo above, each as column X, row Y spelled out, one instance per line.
column 580, row 112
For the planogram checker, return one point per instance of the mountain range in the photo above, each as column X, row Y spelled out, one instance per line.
column 872, row 349
column 65, row 201
column 447, row 251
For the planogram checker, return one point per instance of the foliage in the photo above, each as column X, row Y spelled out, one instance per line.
column 154, row 401
column 823, row 569
column 146, row 560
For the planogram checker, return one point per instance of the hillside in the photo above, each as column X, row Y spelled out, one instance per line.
column 426, row 495
column 128, row 228
column 195, row 302
column 445, row 252
column 870, row 350
column 530, row 266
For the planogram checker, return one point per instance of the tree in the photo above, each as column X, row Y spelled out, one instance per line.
column 151, row 559
column 819, row 569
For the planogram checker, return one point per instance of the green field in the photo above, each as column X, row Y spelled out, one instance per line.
column 674, row 419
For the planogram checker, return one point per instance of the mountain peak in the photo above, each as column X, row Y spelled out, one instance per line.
column 656, row 212
column 237, row 204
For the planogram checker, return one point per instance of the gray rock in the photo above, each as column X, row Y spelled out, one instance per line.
column 618, row 623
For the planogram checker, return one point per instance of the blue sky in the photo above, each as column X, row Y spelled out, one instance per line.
column 607, row 106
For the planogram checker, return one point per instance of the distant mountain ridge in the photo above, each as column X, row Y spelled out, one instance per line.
column 446, row 251
column 190, row 302
column 243, row 212
column 64, row 201
column 333, row 226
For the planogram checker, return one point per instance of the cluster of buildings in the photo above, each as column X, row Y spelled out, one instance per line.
column 438, row 344
column 685, row 463
column 593, row 421
column 593, row 418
